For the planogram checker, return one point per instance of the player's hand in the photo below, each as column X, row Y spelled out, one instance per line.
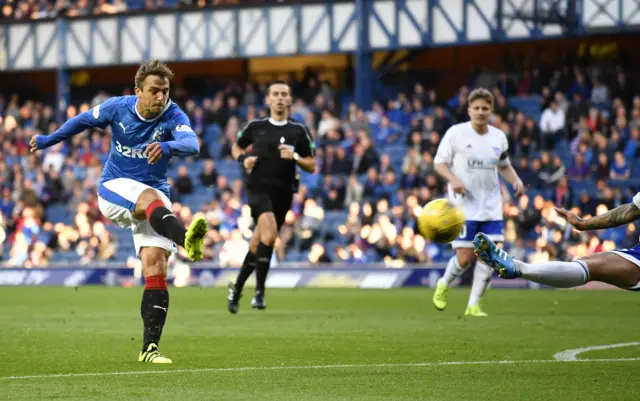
column 250, row 162
column 153, row 151
column 571, row 218
column 458, row 186
column 286, row 151
column 518, row 187
column 32, row 144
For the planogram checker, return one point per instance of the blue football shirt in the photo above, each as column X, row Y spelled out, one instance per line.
column 130, row 135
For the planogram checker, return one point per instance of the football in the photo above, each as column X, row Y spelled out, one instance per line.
column 440, row 221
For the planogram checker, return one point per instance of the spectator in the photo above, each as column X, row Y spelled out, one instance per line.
column 208, row 175
column 184, row 184
column 318, row 255
column 619, row 169
column 354, row 191
column 579, row 170
column 552, row 124
column 602, row 170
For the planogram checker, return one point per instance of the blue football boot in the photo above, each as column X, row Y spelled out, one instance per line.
column 495, row 257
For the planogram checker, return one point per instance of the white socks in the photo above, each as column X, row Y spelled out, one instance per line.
column 453, row 270
column 555, row 274
column 481, row 278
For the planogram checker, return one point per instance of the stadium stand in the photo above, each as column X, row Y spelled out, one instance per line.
column 573, row 135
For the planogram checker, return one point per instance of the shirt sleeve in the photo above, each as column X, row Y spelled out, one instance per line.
column 305, row 147
column 98, row 117
column 185, row 141
column 245, row 135
column 445, row 152
column 636, row 200
column 504, row 155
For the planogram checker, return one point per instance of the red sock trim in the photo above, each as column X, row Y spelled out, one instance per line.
column 155, row 283
column 153, row 206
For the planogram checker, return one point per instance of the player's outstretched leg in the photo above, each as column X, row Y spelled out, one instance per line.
column 555, row 274
column 155, row 303
column 619, row 268
column 165, row 223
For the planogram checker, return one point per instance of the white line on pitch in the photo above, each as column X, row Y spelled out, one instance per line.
column 347, row 366
column 572, row 354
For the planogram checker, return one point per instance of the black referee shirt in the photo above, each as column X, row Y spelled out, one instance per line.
column 266, row 135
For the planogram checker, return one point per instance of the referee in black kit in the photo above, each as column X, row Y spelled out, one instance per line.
column 279, row 145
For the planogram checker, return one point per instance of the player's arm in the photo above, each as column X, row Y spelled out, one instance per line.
column 443, row 159
column 243, row 140
column 97, row 117
column 185, row 141
column 507, row 171
column 306, row 153
column 619, row 216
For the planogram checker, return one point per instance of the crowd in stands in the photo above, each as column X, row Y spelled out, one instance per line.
column 574, row 136
column 38, row 9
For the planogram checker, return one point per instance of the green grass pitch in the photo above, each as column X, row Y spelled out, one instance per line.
column 316, row 344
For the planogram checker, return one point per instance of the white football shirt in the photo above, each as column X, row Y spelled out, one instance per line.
column 474, row 159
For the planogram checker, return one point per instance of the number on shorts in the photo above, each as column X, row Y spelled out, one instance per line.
column 463, row 232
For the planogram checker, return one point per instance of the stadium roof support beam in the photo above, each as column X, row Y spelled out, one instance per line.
column 303, row 28
column 364, row 76
column 63, row 90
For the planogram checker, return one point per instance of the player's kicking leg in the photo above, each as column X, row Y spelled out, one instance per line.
column 620, row 268
column 165, row 223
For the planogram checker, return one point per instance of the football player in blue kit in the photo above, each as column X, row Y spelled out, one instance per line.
column 146, row 131
column 620, row 267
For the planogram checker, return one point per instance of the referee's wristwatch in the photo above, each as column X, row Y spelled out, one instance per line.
column 296, row 156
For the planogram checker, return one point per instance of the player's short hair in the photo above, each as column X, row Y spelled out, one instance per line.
column 276, row 82
column 481, row 93
column 152, row 67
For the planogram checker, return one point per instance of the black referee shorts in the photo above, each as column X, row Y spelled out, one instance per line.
column 276, row 200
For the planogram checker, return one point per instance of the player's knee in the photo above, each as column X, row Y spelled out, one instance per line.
column 154, row 261
column 255, row 241
column 465, row 257
column 147, row 197
column 269, row 237
column 268, row 229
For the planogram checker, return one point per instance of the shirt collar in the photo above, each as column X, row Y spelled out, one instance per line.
column 278, row 123
column 135, row 107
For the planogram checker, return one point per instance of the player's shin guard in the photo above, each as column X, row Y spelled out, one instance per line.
column 481, row 278
column 248, row 266
column 555, row 274
column 165, row 223
column 155, row 305
column 263, row 254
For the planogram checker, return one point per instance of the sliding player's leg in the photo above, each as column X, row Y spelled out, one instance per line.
column 620, row 268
